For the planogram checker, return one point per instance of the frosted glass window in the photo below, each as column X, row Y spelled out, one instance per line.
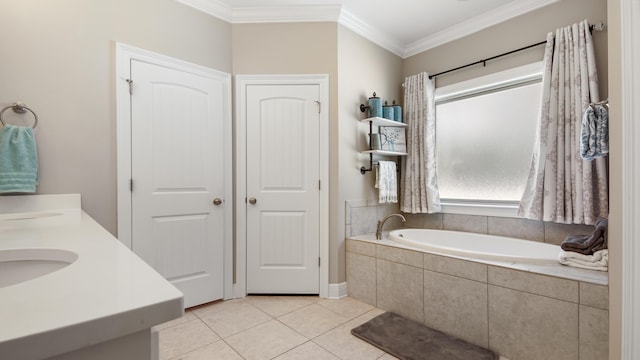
column 484, row 143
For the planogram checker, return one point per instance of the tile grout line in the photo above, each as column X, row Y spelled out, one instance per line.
column 315, row 337
column 200, row 347
column 336, row 355
column 292, row 311
column 233, row 349
column 535, row 294
column 344, row 319
column 348, row 318
column 304, row 336
column 488, row 312
column 488, row 316
column 329, row 351
column 249, row 328
column 224, row 339
column 323, row 333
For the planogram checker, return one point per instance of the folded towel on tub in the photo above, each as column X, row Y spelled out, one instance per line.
column 598, row 261
column 18, row 160
column 588, row 244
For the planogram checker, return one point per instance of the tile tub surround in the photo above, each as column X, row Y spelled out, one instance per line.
column 513, row 311
column 361, row 218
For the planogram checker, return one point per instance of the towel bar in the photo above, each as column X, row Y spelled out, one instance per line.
column 19, row 108
column 363, row 170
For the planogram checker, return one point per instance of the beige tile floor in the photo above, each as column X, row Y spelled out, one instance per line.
column 271, row 327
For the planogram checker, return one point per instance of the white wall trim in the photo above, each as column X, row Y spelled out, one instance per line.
column 310, row 13
column 479, row 208
column 514, row 76
column 272, row 14
column 215, row 8
column 371, row 33
column 265, row 14
column 337, row 291
column 242, row 81
column 630, row 45
column 475, row 24
column 124, row 55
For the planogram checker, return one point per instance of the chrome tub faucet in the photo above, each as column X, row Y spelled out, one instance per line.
column 381, row 224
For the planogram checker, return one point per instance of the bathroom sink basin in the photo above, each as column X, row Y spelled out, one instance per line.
column 20, row 265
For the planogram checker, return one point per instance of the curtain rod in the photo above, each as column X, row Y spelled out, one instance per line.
column 599, row 26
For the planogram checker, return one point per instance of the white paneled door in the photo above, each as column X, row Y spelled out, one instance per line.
column 283, row 193
column 177, row 170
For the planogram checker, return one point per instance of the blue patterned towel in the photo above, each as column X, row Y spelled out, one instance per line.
column 18, row 159
column 594, row 134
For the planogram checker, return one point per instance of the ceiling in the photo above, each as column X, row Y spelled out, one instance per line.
column 404, row 27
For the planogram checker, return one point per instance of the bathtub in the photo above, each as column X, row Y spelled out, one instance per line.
column 478, row 246
column 484, row 289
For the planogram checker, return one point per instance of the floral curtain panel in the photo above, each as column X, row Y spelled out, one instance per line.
column 419, row 191
column 562, row 187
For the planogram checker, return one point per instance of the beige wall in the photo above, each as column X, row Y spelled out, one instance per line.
column 58, row 58
column 615, row 181
column 363, row 68
column 522, row 31
column 298, row 48
column 286, row 48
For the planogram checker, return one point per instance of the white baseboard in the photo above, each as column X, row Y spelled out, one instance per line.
column 337, row 291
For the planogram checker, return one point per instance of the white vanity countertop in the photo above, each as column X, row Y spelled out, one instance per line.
column 108, row 292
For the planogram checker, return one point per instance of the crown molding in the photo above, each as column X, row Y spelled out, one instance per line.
column 314, row 13
column 371, row 33
column 265, row 14
column 479, row 22
column 300, row 13
column 214, row 8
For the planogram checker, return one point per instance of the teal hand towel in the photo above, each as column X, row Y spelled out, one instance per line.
column 18, row 160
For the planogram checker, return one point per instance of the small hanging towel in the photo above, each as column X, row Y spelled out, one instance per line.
column 387, row 182
column 18, row 160
column 594, row 132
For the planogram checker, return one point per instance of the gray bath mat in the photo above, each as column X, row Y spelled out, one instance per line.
column 410, row 340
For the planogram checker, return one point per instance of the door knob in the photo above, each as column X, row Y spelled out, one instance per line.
column 253, row 200
column 217, row 201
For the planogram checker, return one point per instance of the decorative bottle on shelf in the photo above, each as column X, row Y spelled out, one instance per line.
column 388, row 111
column 397, row 112
column 375, row 106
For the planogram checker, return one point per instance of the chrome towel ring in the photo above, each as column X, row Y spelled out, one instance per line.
column 19, row 108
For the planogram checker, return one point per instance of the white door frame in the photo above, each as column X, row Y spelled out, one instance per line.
column 124, row 55
column 242, row 81
column 630, row 38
